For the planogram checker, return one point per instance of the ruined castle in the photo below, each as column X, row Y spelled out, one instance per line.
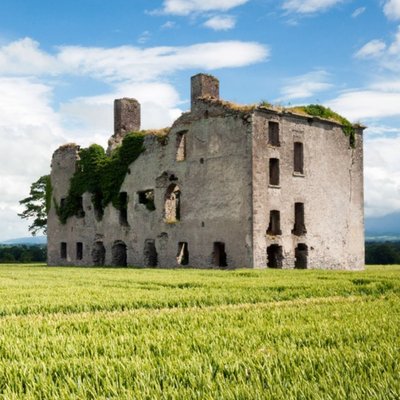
column 227, row 186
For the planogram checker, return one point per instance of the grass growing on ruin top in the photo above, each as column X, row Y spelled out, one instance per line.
column 101, row 175
column 318, row 110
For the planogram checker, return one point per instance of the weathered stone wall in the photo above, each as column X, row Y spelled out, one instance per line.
column 331, row 189
column 214, row 182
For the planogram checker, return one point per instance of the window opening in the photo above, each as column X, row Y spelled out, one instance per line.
column 301, row 253
column 219, row 255
column 274, row 227
column 146, row 197
column 79, row 250
column 150, row 256
column 183, row 254
column 63, row 250
column 172, row 204
column 123, row 208
column 274, row 171
column 181, row 146
column 273, row 133
column 298, row 158
column 275, row 256
column 299, row 224
column 98, row 254
column 80, row 213
column 119, row 254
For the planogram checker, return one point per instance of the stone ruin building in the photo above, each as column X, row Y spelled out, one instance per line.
column 231, row 186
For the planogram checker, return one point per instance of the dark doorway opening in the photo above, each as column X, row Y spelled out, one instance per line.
column 219, row 255
column 301, row 255
column 119, row 254
column 79, row 250
column 98, row 254
column 63, row 250
column 274, row 256
column 182, row 257
column 150, row 256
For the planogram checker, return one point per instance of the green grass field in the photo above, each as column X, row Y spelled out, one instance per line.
column 92, row 333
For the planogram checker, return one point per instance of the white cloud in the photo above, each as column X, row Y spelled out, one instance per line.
column 358, row 11
column 24, row 57
column 372, row 49
column 169, row 25
column 392, row 9
column 309, row 6
column 382, row 175
column 31, row 128
column 366, row 103
column 305, row 86
column 221, row 22
column 186, row 7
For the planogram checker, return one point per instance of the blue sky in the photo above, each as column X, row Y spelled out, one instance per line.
column 63, row 62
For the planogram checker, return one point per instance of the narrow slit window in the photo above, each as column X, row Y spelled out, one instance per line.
column 80, row 213
column 274, row 171
column 298, row 158
column 123, row 208
column 63, row 250
column 274, row 227
column 172, row 204
column 299, row 227
column 182, row 257
column 273, row 133
column 181, row 146
column 79, row 250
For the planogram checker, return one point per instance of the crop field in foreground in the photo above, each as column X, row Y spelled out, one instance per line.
column 93, row 333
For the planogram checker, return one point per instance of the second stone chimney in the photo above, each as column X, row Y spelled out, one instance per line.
column 126, row 119
column 203, row 85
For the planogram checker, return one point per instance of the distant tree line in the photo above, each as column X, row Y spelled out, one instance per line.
column 22, row 253
column 382, row 252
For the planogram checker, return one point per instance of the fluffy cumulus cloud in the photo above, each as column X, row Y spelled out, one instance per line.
column 32, row 124
column 221, row 22
column 186, row 7
column 305, row 86
column 391, row 9
column 308, row 6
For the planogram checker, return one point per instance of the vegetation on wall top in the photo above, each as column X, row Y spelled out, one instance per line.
column 318, row 110
column 101, row 175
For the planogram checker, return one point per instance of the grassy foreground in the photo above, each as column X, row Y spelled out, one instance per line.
column 187, row 334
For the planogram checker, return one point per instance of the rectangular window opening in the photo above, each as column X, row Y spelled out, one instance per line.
column 274, row 256
column 273, row 133
column 181, row 146
column 146, row 197
column 301, row 256
column 274, row 171
column 63, row 250
column 298, row 158
column 79, row 250
column 299, row 227
column 274, row 227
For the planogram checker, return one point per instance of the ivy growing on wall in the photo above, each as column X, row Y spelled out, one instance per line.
column 101, row 175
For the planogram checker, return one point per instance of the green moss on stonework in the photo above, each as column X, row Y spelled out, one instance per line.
column 100, row 175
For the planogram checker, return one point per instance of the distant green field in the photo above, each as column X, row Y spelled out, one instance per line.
column 93, row 333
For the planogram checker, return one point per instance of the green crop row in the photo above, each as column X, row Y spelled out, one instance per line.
column 73, row 333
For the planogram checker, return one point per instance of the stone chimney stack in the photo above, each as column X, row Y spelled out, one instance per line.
column 203, row 85
column 126, row 119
